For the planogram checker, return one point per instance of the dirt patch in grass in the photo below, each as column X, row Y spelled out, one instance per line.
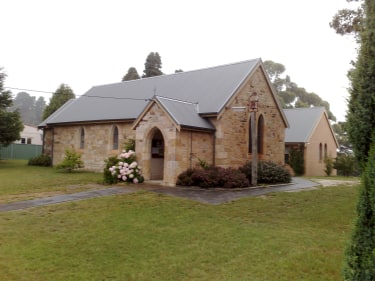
column 329, row 182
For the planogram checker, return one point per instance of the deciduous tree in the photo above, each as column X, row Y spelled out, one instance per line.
column 290, row 95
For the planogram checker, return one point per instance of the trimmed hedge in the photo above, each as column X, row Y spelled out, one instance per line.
column 213, row 177
column 268, row 173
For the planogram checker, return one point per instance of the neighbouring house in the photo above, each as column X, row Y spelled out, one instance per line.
column 30, row 135
column 310, row 133
column 176, row 120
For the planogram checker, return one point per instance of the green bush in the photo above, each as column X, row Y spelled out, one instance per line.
column 129, row 144
column 71, row 161
column 346, row 165
column 328, row 161
column 211, row 177
column 110, row 162
column 268, row 172
column 41, row 160
column 296, row 161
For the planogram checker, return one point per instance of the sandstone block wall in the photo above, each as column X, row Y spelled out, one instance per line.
column 232, row 127
column 182, row 148
column 98, row 144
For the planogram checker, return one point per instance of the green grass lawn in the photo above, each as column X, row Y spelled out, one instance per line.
column 18, row 181
column 147, row 236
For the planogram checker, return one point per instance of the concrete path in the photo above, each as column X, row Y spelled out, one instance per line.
column 208, row 196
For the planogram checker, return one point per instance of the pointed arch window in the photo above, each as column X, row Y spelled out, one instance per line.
column 82, row 139
column 325, row 151
column 260, row 134
column 320, row 151
column 115, row 138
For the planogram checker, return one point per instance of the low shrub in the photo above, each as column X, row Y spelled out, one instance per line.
column 268, row 172
column 41, row 160
column 71, row 161
column 328, row 162
column 346, row 165
column 211, row 177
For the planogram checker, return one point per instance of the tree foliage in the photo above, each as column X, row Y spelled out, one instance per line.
column 361, row 102
column 360, row 255
column 10, row 122
column 61, row 96
column 348, row 21
column 289, row 94
column 153, row 65
column 31, row 110
column 132, row 74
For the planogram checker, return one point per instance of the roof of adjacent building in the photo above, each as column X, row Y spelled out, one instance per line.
column 186, row 96
column 302, row 123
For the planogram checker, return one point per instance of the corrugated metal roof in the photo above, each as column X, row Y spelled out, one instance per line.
column 302, row 122
column 210, row 87
column 185, row 113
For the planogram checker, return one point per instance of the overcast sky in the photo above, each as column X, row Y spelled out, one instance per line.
column 86, row 43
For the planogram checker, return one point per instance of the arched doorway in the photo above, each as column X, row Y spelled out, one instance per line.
column 157, row 156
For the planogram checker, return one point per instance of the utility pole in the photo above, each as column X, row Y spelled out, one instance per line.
column 253, row 107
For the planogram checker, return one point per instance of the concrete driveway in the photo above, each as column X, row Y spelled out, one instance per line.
column 209, row 196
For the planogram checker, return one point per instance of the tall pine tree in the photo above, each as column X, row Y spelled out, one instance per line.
column 61, row 96
column 132, row 74
column 152, row 65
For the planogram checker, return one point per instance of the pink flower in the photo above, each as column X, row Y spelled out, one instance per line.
column 135, row 180
column 124, row 178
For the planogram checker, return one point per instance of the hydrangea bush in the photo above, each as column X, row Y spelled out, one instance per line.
column 123, row 168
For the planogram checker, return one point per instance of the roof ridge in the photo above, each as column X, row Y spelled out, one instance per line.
column 178, row 73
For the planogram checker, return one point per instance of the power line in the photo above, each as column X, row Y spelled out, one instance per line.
column 85, row 96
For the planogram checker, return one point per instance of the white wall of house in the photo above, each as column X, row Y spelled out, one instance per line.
column 30, row 135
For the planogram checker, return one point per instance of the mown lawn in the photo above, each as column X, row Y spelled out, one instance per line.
column 146, row 236
column 18, row 181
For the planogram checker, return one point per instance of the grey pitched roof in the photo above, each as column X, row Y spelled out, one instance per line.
column 211, row 88
column 302, row 122
column 184, row 113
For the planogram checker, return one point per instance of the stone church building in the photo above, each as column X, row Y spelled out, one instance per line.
column 177, row 120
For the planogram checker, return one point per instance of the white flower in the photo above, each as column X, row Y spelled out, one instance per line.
column 133, row 165
column 131, row 176
column 124, row 178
